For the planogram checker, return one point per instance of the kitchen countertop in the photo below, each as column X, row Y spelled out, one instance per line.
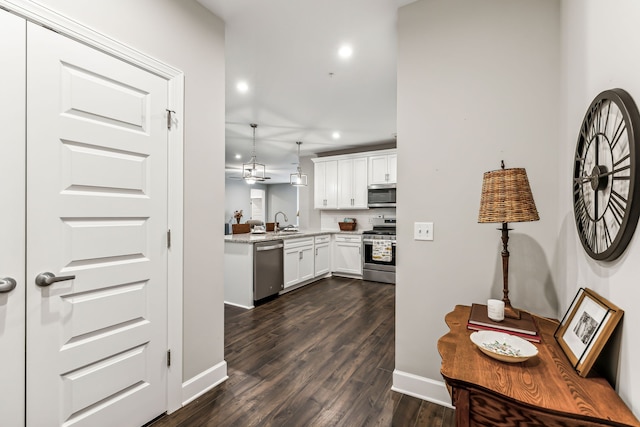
column 282, row 235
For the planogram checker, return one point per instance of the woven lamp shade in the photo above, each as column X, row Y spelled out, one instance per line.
column 506, row 197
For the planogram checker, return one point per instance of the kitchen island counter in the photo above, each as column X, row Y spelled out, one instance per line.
column 281, row 235
column 239, row 260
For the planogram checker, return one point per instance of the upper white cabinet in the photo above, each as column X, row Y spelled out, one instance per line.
column 325, row 181
column 340, row 182
column 352, row 183
column 383, row 168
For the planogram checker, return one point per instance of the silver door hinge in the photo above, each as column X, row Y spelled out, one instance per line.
column 169, row 118
column 169, row 239
column 168, row 358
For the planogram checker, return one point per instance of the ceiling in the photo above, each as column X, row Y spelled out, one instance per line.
column 299, row 88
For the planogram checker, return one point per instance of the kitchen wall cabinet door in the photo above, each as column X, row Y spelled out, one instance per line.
column 347, row 255
column 352, row 183
column 326, row 184
column 383, row 169
column 12, row 218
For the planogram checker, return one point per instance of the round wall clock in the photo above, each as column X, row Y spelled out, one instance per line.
column 606, row 202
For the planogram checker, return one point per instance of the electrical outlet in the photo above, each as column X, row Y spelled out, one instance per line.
column 423, row 231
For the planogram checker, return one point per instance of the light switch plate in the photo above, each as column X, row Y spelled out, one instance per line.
column 423, row 231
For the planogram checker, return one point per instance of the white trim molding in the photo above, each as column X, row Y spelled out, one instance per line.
column 49, row 18
column 203, row 382
column 421, row 387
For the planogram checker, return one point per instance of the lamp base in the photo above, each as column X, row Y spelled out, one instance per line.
column 511, row 312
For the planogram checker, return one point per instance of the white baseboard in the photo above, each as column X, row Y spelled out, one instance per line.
column 421, row 387
column 239, row 305
column 203, row 382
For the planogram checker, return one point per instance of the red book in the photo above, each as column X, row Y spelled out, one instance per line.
column 525, row 325
column 528, row 337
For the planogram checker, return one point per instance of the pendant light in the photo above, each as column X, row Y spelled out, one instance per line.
column 298, row 179
column 253, row 171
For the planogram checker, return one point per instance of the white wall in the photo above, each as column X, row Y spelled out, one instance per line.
column 309, row 217
column 601, row 41
column 283, row 197
column 187, row 36
column 478, row 82
column 237, row 195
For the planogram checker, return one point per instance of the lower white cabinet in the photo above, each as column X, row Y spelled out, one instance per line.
column 347, row 254
column 298, row 261
column 322, row 255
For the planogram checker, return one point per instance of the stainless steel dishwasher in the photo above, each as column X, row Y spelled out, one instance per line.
column 268, row 269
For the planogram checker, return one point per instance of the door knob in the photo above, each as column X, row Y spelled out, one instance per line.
column 7, row 284
column 46, row 279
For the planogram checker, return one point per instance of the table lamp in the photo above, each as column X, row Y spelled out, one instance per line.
column 506, row 197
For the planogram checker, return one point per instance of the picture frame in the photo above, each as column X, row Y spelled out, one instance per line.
column 585, row 328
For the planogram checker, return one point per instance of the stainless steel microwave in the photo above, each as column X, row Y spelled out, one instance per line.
column 381, row 196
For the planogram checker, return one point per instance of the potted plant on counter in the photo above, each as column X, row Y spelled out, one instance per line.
column 237, row 215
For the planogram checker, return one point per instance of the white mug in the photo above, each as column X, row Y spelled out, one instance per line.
column 495, row 309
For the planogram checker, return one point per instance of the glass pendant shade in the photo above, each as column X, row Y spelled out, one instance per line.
column 298, row 179
column 253, row 171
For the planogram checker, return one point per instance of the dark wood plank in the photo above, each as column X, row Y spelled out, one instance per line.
column 322, row 355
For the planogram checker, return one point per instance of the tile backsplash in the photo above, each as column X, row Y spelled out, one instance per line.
column 329, row 219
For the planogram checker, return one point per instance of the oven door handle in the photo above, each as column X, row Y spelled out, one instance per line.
column 370, row 242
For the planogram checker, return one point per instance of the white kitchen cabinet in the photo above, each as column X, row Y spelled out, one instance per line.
column 298, row 261
column 325, row 181
column 352, row 183
column 322, row 255
column 383, row 168
column 347, row 254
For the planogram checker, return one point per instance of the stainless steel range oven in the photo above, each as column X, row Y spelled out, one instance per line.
column 379, row 251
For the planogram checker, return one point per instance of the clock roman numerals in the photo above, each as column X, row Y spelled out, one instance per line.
column 604, row 175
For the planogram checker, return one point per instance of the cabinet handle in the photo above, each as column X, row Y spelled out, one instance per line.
column 316, row 251
column 7, row 284
column 300, row 256
column 386, row 177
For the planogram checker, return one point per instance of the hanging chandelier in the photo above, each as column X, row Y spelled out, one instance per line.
column 253, row 171
column 298, row 179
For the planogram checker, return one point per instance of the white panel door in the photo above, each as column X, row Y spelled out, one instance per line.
column 96, row 210
column 12, row 218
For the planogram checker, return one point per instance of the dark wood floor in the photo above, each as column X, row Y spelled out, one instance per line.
column 322, row 355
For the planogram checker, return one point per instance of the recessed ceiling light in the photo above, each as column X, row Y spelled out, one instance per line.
column 238, row 156
column 345, row 51
column 242, row 87
column 336, row 135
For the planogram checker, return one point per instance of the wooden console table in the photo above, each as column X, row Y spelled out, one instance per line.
column 543, row 391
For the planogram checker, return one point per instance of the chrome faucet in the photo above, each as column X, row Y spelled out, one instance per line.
column 275, row 219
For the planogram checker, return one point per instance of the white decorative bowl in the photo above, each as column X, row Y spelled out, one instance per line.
column 504, row 347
